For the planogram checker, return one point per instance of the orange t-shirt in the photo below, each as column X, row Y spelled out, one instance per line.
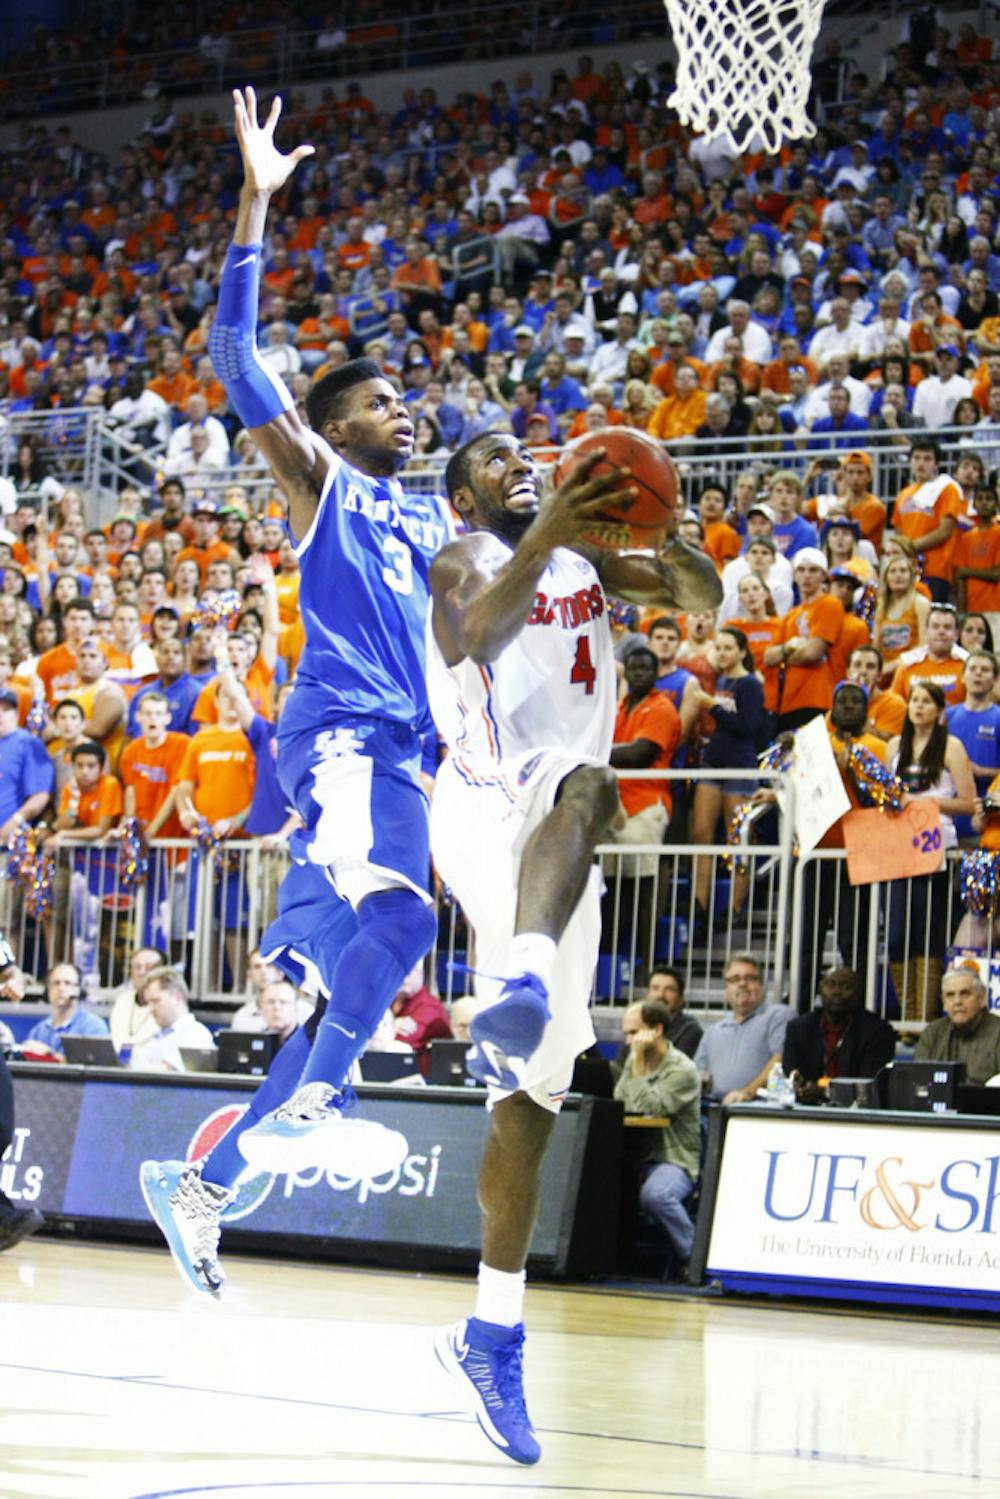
column 921, row 508
column 56, row 670
column 220, row 765
column 834, row 836
column 811, row 686
column 663, row 375
column 721, row 543
column 947, row 674
column 259, row 689
column 654, row 718
column 979, row 547
column 216, row 551
column 677, row 416
column 853, row 634
column 176, row 390
column 990, row 836
column 887, row 712
column 105, row 800
column 760, row 634
column 153, row 774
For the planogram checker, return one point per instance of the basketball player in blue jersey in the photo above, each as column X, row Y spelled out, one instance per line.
column 355, row 914
column 522, row 684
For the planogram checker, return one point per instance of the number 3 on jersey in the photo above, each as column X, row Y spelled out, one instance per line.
column 398, row 572
column 583, row 668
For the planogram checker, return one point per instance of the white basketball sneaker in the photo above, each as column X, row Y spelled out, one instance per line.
column 314, row 1128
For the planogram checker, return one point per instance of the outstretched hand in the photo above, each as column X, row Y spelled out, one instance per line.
column 265, row 169
column 582, row 498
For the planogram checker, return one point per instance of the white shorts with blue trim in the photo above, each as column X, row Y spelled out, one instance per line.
column 481, row 818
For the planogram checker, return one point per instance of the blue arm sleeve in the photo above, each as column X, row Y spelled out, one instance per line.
column 256, row 393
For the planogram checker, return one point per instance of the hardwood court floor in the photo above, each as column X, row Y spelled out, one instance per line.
column 308, row 1382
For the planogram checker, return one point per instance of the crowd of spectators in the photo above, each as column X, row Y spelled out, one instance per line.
column 552, row 260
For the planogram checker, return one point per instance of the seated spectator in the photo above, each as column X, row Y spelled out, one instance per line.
column 130, row 1019
column 736, row 1054
column 67, row 1016
column 659, row 1080
column 165, row 994
column 937, row 396
column 967, row 1032
column 281, row 1009
column 419, row 1016
column 839, row 1038
column 666, row 986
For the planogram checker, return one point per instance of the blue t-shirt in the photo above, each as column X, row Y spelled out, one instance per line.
column 980, row 734
column 363, row 598
column 82, row 1023
column 25, row 769
column 792, row 535
column 672, row 685
column 269, row 807
column 181, row 694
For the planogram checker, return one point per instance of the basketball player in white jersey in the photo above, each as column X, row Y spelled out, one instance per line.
column 521, row 682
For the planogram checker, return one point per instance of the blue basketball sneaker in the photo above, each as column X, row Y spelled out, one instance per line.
column 313, row 1128
column 188, row 1212
column 490, row 1360
column 508, row 1033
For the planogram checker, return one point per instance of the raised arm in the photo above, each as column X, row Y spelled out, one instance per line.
column 297, row 456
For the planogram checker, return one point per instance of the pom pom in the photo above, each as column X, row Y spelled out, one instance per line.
column 206, row 840
column 133, row 862
column 877, row 786
column 38, row 717
column 979, row 881
column 735, row 836
column 224, row 609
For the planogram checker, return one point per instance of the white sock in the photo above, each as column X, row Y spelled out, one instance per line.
column 531, row 952
column 500, row 1296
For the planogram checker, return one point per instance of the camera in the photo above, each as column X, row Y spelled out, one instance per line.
column 991, row 807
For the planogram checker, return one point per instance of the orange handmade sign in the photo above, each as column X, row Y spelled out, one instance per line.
column 893, row 845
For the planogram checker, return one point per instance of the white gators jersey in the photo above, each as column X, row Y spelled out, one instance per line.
column 552, row 687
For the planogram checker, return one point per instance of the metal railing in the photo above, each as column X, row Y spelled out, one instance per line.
column 82, row 448
column 207, row 911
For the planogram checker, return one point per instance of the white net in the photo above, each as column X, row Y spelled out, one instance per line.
column 743, row 68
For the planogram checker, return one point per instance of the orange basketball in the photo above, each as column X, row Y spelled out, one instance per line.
column 650, row 472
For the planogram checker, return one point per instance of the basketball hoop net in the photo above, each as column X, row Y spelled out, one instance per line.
column 743, row 68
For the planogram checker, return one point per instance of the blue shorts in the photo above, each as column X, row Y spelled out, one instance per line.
column 356, row 786
column 310, row 931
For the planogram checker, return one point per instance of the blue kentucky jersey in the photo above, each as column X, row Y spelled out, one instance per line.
column 363, row 599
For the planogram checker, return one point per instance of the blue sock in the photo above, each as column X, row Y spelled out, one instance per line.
column 224, row 1165
column 396, row 929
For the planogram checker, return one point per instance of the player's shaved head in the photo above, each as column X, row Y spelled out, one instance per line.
column 324, row 402
column 458, row 474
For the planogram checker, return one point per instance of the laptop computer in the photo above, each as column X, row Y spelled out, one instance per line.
column 200, row 1058
column 90, row 1051
column 247, row 1052
column 593, row 1075
column 447, row 1069
column 389, row 1067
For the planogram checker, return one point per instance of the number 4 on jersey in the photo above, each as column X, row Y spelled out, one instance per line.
column 583, row 668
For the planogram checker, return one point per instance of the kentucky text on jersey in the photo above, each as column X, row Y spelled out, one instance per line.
column 363, row 597
column 573, row 609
